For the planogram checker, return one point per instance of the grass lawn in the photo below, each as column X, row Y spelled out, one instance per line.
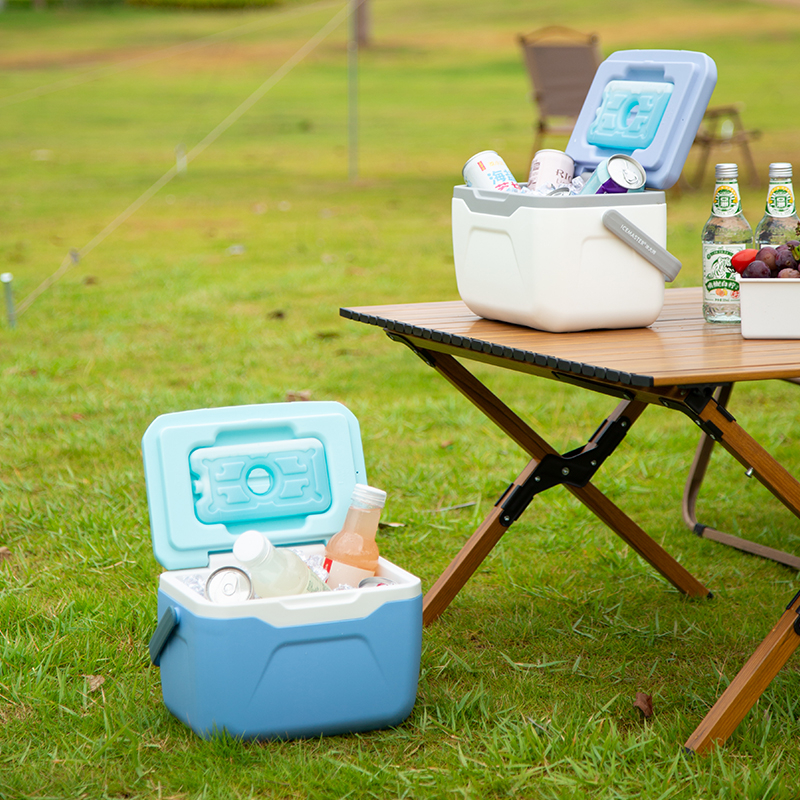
column 224, row 289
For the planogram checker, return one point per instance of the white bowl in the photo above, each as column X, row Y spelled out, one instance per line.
column 770, row 308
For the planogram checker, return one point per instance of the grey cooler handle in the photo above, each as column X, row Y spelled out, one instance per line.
column 642, row 243
column 166, row 625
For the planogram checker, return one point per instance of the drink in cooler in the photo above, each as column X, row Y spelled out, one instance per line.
column 352, row 554
column 550, row 168
column 617, row 174
column 486, row 170
column 780, row 221
column 725, row 234
column 274, row 572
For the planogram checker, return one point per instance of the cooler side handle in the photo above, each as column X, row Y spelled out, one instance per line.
column 164, row 630
column 642, row 243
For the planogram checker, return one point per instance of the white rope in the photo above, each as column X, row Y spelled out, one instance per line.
column 73, row 257
column 160, row 55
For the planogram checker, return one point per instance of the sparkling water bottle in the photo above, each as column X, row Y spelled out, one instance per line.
column 352, row 554
column 725, row 234
column 780, row 222
column 274, row 572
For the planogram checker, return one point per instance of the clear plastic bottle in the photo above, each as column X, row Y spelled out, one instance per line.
column 352, row 554
column 780, row 222
column 275, row 572
column 726, row 233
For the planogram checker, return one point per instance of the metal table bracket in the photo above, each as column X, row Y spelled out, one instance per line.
column 575, row 468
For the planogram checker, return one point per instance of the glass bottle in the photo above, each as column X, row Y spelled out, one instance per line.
column 780, row 222
column 352, row 554
column 275, row 572
column 726, row 233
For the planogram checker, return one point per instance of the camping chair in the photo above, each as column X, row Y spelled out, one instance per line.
column 561, row 64
column 722, row 127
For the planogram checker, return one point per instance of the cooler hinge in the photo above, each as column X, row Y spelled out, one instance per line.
column 575, row 468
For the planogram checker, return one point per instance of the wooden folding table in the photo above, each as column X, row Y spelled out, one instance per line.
column 679, row 362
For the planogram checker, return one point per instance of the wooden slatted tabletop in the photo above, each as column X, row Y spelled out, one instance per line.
column 678, row 349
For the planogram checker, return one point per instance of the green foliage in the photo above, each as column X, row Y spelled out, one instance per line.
column 224, row 289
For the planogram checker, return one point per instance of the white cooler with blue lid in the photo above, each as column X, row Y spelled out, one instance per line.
column 566, row 263
column 306, row 665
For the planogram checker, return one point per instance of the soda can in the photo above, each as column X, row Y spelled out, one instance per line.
column 375, row 581
column 616, row 175
column 486, row 170
column 550, row 168
column 228, row 585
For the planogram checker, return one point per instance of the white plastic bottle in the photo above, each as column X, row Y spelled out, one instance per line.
column 352, row 554
column 780, row 222
column 275, row 572
column 725, row 234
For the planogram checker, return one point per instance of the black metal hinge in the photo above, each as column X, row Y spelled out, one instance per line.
column 402, row 339
column 693, row 404
column 575, row 468
column 797, row 621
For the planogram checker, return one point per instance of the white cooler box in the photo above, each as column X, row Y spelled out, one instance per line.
column 285, row 667
column 590, row 261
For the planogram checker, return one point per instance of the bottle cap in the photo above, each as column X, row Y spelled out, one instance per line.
column 368, row 496
column 780, row 169
column 727, row 172
column 251, row 547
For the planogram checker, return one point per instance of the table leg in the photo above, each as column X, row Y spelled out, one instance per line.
column 751, row 681
column 469, row 558
column 489, row 533
column 749, row 453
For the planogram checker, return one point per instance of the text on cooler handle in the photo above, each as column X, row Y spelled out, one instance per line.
column 642, row 243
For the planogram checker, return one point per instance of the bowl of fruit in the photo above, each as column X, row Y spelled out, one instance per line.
column 769, row 291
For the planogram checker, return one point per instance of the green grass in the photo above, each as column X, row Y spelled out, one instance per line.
column 528, row 680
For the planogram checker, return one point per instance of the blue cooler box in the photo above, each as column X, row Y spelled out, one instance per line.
column 286, row 667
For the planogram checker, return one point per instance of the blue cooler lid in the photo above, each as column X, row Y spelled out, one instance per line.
column 647, row 104
column 285, row 469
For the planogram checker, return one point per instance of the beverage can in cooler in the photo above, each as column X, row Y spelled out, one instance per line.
column 616, row 175
column 374, row 581
column 550, row 168
column 486, row 170
column 228, row 585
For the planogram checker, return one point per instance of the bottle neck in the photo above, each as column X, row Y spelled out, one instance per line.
column 363, row 521
column 780, row 198
column 727, row 201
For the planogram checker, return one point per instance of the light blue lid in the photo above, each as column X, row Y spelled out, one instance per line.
column 285, row 469
column 647, row 104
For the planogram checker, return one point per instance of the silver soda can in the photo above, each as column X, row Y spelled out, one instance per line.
column 374, row 580
column 616, row 175
column 486, row 170
column 550, row 168
column 228, row 585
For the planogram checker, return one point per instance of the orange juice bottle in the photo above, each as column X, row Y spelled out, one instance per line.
column 352, row 554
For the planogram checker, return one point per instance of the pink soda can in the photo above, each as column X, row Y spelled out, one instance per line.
column 550, row 168
column 486, row 170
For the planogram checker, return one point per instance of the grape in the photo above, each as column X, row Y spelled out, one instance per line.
column 789, row 273
column 767, row 255
column 784, row 258
column 756, row 269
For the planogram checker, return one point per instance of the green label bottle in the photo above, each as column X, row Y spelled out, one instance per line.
column 725, row 233
column 780, row 221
